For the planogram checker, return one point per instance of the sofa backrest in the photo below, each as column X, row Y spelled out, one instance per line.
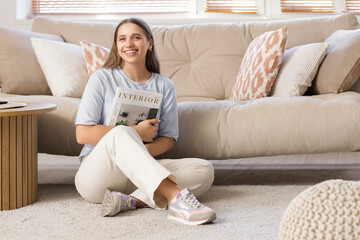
column 203, row 59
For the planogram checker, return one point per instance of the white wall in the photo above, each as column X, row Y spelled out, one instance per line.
column 7, row 12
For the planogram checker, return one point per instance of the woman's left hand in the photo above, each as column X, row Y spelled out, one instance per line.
column 147, row 129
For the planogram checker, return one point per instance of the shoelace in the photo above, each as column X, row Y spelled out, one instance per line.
column 192, row 201
column 126, row 205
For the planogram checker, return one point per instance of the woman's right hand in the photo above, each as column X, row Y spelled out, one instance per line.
column 147, row 129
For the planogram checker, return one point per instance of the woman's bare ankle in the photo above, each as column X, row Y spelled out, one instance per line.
column 167, row 189
column 139, row 203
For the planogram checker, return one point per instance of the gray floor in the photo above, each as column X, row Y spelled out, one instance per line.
column 289, row 169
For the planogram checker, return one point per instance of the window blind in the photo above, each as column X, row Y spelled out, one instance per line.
column 310, row 6
column 109, row 6
column 231, row 6
column 353, row 6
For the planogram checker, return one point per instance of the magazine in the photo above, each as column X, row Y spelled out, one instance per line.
column 131, row 106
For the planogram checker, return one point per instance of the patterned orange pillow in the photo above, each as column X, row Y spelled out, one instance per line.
column 95, row 56
column 260, row 65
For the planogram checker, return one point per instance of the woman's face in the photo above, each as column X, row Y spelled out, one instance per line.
column 132, row 44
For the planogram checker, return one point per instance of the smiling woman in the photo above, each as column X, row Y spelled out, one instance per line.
column 133, row 44
column 118, row 166
column 134, row 48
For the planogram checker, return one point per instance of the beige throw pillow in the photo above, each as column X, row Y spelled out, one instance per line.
column 341, row 66
column 20, row 72
column 63, row 65
column 298, row 69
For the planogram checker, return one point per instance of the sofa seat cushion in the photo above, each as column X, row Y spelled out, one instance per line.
column 268, row 126
column 228, row 129
column 56, row 129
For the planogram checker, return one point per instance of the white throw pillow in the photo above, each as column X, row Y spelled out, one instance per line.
column 63, row 65
column 298, row 69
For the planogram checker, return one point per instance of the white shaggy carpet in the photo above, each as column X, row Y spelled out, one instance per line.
column 243, row 212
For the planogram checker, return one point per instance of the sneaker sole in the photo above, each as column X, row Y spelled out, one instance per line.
column 107, row 205
column 192, row 223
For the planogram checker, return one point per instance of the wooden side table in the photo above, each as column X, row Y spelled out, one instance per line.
column 18, row 151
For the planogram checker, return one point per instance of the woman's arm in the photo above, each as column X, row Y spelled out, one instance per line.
column 160, row 145
column 91, row 134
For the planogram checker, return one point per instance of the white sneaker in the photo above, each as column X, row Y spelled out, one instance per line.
column 114, row 203
column 186, row 209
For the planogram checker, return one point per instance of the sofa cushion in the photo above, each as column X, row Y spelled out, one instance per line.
column 201, row 59
column 186, row 53
column 20, row 72
column 63, row 65
column 56, row 129
column 260, row 65
column 227, row 129
column 95, row 56
column 268, row 126
column 298, row 69
column 306, row 30
column 344, row 49
column 204, row 56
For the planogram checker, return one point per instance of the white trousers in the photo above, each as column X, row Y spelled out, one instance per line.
column 121, row 162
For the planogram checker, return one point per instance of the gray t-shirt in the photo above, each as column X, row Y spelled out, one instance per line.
column 99, row 93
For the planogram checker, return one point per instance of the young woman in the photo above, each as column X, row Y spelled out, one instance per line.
column 117, row 163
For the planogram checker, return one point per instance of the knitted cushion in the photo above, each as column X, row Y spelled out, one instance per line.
column 328, row 210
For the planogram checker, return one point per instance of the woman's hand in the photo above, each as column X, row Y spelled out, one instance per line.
column 147, row 129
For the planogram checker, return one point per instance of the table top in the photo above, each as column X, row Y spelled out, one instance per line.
column 30, row 108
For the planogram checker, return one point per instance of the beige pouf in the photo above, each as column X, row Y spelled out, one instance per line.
column 328, row 210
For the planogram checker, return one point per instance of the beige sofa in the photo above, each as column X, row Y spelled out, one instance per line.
column 203, row 61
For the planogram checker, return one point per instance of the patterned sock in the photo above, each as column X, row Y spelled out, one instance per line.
column 133, row 202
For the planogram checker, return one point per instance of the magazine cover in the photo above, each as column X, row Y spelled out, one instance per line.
column 131, row 106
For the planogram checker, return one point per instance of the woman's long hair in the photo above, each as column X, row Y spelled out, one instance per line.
column 151, row 62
